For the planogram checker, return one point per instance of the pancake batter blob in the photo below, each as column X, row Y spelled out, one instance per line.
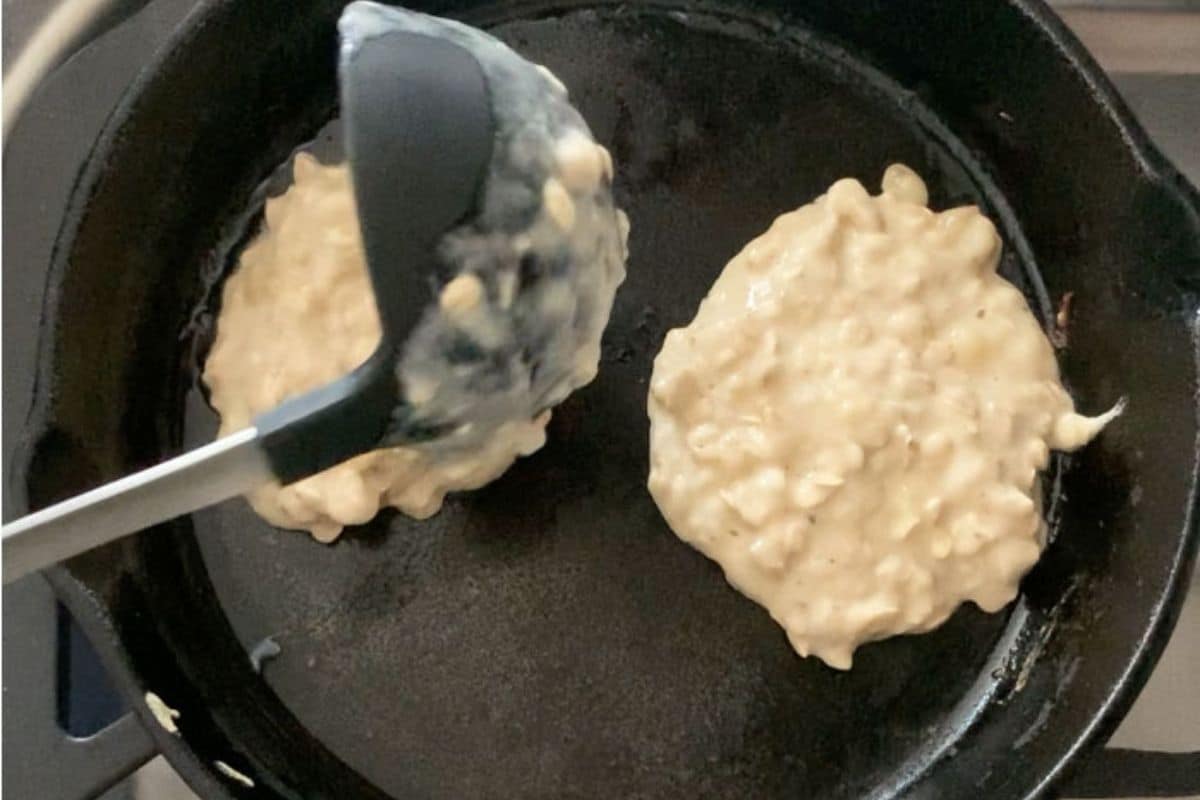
column 523, row 297
column 853, row 424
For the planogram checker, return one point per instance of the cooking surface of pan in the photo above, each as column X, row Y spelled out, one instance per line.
column 548, row 636
column 550, row 633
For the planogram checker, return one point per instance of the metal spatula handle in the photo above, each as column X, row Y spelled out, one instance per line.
column 299, row 438
column 227, row 467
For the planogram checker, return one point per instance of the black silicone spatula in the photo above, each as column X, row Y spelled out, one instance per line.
column 419, row 130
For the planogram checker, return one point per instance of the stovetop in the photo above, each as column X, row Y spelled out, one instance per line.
column 52, row 679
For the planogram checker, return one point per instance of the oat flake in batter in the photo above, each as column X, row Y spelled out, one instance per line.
column 853, row 424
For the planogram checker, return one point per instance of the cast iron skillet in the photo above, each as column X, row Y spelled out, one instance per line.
column 548, row 636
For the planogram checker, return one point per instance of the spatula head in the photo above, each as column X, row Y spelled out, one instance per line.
column 419, row 131
column 524, row 282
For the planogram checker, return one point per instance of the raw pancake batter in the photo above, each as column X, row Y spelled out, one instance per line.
column 854, row 423
column 523, row 298
column 299, row 313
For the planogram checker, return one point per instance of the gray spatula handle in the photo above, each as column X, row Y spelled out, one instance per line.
column 227, row 467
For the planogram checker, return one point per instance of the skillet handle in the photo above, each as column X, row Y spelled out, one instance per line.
column 41, row 760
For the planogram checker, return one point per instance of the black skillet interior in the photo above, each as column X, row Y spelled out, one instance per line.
column 548, row 636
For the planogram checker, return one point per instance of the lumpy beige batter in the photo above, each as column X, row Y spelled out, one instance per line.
column 299, row 313
column 854, row 423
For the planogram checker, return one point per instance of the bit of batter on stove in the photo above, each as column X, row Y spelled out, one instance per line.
column 854, row 423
